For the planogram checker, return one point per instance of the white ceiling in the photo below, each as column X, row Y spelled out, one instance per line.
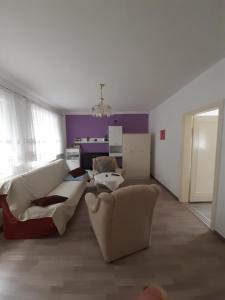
column 144, row 50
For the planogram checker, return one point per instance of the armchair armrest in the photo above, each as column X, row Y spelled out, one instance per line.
column 156, row 188
column 92, row 202
column 120, row 171
column 95, row 172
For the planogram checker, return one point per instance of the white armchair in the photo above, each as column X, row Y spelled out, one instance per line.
column 101, row 163
column 122, row 219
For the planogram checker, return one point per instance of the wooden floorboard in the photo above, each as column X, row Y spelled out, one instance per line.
column 185, row 258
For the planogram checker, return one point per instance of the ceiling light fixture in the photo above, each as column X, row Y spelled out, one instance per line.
column 101, row 109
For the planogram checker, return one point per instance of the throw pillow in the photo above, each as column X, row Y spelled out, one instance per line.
column 105, row 165
column 48, row 200
column 77, row 172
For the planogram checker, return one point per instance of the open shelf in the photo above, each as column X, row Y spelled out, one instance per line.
column 92, row 142
column 116, row 154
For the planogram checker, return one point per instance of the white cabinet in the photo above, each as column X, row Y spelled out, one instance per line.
column 136, row 155
column 72, row 156
column 115, row 135
column 115, row 140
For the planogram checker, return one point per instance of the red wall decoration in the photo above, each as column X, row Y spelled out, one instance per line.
column 162, row 134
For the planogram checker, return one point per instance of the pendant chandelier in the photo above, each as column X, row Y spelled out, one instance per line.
column 101, row 109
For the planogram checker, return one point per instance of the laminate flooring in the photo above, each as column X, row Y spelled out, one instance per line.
column 204, row 208
column 185, row 258
column 203, row 211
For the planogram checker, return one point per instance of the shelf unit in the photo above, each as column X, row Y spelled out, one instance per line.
column 92, row 142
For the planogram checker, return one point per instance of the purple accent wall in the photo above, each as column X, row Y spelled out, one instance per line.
column 78, row 126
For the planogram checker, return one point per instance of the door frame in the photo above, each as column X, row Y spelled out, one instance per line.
column 187, row 125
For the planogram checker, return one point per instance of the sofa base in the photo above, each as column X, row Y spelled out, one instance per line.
column 30, row 229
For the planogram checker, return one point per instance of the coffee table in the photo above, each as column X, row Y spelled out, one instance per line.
column 107, row 179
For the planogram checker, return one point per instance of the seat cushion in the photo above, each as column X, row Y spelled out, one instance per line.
column 44, row 179
column 68, row 189
column 60, row 212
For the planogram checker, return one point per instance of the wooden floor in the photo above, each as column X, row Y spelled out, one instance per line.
column 185, row 258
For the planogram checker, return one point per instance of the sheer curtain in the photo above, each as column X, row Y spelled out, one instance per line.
column 29, row 134
column 12, row 152
column 47, row 133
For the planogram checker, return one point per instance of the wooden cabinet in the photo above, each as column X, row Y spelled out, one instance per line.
column 136, row 155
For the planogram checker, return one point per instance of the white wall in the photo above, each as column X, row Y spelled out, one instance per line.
column 220, row 209
column 208, row 88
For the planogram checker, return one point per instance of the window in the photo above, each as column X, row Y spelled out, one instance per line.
column 47, row 133
column 29, row 134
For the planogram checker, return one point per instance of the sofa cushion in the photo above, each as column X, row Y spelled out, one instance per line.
column 69, row 189
column 48, row 200
column 44, row 179
column 61, row 213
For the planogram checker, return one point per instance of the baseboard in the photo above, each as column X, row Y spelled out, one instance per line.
column 168, row 190
column 201, row 217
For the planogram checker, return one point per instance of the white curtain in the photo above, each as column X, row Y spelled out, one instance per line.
column 29, row 134
column 12, row 160
column 47, row 134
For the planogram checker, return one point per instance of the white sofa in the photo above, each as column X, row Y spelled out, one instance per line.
column 40, row 182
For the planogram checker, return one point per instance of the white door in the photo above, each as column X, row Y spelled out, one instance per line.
column 136, row 155
column 203, row 158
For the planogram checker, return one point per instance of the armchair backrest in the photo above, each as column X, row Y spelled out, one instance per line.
column 134, row 202
column 132, row 212
column 122, row 219
column 96, row 162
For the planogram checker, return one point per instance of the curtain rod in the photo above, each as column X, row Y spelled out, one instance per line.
column 28, row 99
column 14, row 92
